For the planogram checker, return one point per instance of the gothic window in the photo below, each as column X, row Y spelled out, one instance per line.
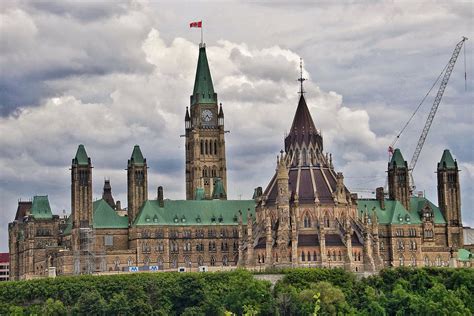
column 139, row 177
column 303, row 256
column 438, row 261
column 130, row 261
column 202, row 147
column 174, row 262
column 215, row 147
column 200, row 261
column 413, row 245
column 211, row 149
column 340, row 256
column 225, row 261
column 334, row 255
column 213, row 261
column 413, row 261
column 117, row 264
column 326, row 221
column 426, row 261
column 83, row 177
column 187, row 261
column 146, row 261
column 382, row 246
column 306, row 221
column 315, row 256
column 160, row 263
column 358, row 256
column 401, row 261
column 206, row 146
column 401, row 246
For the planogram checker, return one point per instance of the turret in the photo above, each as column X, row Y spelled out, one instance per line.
column 449, row 198
column 398, row 179
column 137, row 183
column 107, row 194
column 81, row 189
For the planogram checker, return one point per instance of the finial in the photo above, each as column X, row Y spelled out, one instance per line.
column 301, row 79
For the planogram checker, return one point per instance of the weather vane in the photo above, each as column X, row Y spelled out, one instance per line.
column 301, row 79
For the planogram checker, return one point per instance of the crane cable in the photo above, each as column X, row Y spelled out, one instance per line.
column 418, row 107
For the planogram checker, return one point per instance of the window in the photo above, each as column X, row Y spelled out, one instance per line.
column 213, row 261
column 382, row 246
column 187, row 261
column 306, row 221
column 225, row 261
column 399, row 232
column 215, row 147
column 426, row 261
column 401, row 245
column 202, row 147
column 130, row 261
column 109, row 240
column 83, row 177
column 401, row 261
column 412, row 245
column 174, row 262
column 303, row 256
column 200, row 261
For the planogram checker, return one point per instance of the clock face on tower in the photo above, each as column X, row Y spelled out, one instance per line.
column 206, row 115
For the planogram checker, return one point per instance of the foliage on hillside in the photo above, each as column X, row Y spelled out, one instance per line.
column 301, row 292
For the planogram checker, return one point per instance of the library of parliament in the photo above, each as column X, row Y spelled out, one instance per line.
column 305, row 216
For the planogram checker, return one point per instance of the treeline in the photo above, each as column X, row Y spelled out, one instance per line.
column 400, row 291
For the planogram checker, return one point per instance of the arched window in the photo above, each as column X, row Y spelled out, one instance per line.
column 213, row 261
column 215, row 147
column 146, row 261
column 187, row 261
column 225, row 261
column 402, row 261
column 309, row 256
column 326, row 221
column 413, row 261
column 206, row 147
column 117, row 264
column 211, row 147
column 174, row 262
column 382, row 245
column 438, row 261
column 130, row 261
column 303, row 256
column 359, row 256
column 160, row 263
column 202, row 147
column 340, row 256
column 426, row 261
column 306, row 221
column 315, row 256
column 334, row 255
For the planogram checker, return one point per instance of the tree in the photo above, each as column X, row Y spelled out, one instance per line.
column 53, row 308
column 91, row 303
column 118, row 305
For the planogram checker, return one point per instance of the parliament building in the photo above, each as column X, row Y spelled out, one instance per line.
column 305, row 216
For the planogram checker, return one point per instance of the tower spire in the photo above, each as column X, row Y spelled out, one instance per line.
column 301, row 79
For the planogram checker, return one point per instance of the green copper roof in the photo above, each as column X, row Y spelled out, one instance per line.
column 40, row 208
column 397, row 159
column 218, row 191
column 199, row 194
column 81, row 157
column 68, row 229
column 447, row 160
column 192, row 212
column 203, row 91
column 137, row 157
column 395, row 213
column 465, row 255
column 106, row 217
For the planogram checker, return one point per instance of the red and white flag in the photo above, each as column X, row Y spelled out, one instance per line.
column 195, row 24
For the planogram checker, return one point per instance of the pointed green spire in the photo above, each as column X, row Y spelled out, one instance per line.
column 81, row 157
column 137, row 157
column 199, row 194
column 397, row 159
column 447, row 161
column 218, row 191
column 203, row 91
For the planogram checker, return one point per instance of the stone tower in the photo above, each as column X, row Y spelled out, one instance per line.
column 137, row 183
column 107, row 194
column 81, row 194
column 205, row 143
column 449, row 198
column 398, row 179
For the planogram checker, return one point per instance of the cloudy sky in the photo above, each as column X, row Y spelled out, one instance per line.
column 113, row 74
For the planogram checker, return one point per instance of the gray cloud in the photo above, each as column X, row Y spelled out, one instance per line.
column 111, row 76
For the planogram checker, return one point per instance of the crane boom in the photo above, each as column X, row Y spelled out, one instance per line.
column 436, row 103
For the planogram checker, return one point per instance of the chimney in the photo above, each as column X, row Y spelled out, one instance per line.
column 379, row 195
column 160, row 196
column 118, row 206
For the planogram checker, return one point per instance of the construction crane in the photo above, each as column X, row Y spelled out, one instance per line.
column 448, row 69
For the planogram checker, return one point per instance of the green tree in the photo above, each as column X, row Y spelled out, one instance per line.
column 332, row 299
column 91, row 303
column 53, row 308
column 118, row 305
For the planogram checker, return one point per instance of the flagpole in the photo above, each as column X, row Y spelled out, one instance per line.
column 201, row 34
